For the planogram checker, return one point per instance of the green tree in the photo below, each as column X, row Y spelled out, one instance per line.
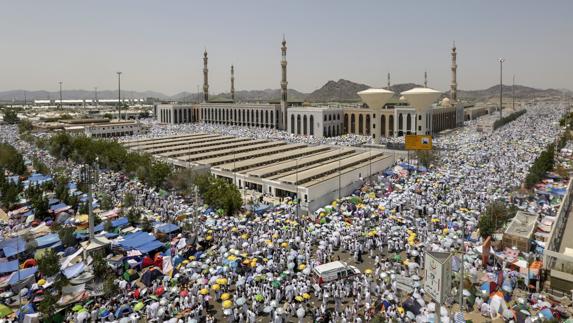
column 425, row 157
column 47, row 306
column 494, row 217
column 107, row 226
column 146, row 225
column 10, row 116
column 25, row 126
column 39, row 166
column 108, row 116
column 158, row 173
column 41, row 207
column 11, row 159
column 128, row 200
column 49, row 263
column 134, row 216
column 67, row 237
column 109, row 287
column 100, row 266
column 105, row 202
column 223, row 195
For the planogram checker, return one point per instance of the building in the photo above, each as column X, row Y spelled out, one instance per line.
column 315, row 174
column 173, row 113
column 241, row 114
column 315, row 121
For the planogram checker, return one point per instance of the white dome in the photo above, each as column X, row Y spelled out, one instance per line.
column 446, row 103
column 402, row 99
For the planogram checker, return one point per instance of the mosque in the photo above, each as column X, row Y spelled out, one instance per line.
column 415, row 113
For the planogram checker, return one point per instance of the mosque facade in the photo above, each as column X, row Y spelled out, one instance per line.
column 392, row 120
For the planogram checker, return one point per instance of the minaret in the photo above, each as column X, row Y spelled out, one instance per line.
column 454, row 85
column 425, row 79
column 205, row 78
column 388, row 81
column 232, row 83
column 284, row 101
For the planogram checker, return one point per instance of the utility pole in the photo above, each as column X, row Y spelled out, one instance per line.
column 119, row 95
column 61, row 105
column 95, row 88
column 513, row 93
column 89, row 176
column 501, row 60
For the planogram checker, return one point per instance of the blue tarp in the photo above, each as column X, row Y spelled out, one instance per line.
column 58, row 206
column 8, row 266
column 74, row 270
column 13, row 179
column 120, row 222
column 53, row 201
column 134, row 240
column 24, row 273
column 150, row 246
column 12, row 247
column 47, row 240
column 27, row 214
column 166, row 228
column 38, row 179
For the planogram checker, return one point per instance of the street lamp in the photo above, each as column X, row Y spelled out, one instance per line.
column 501, row 60
column 61, row 105
column 119, row 95
column 95, row 88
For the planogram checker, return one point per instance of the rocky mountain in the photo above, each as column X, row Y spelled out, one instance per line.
column 333, row 91
column 337, row 91
column 522, row 92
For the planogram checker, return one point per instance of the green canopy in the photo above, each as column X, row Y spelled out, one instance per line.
column 276, row 284
column 4, row 311
column 259, row 298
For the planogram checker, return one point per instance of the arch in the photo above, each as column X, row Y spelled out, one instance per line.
column 252, row 117
column 408, row 122
column 360, row 124
column 298, row 124
column 337, row 130
column 248, row 117
column 345, row 123
column 243, row 118
column 367, row 130
column 292, row 123
column 400, row 122
column 272, row 119
column 383, row 125
column 267, row 116
column 391, row 125
column 352, row 123
column 304, row 125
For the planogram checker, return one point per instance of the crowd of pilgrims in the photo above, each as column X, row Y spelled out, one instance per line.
column 397, row 217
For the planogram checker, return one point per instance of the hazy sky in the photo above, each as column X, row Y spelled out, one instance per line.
column 158, row 44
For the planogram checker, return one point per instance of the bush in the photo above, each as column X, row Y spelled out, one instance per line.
column 221, row 194
column 11, row 116
column 11, row 159
column 49, row 263
column 495, row 216
column 505, row 120
column 25, row 126
column 541, row 165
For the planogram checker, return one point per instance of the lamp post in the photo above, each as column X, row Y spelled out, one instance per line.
column 501, row 60
column 118, row 95
column 61, row 105
column 95, row 89
column 513, row 93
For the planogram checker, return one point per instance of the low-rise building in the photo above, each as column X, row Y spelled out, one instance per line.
column 520, row 231
column 315, row 121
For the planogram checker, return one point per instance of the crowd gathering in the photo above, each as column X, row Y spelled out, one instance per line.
column 259, row 266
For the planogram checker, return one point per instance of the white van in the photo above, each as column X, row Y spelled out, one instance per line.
column 333, row 271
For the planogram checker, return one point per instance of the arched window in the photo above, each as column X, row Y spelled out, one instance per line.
column 311, row 132
column 304, row 125
column 408, row 122
column 391, row 125
column 360, row 124
column 400, row 122
column 352, row 123
column 292, row 123
column 298, row 124
column 267, row 116
column 346, row 123
column 383, row 125
column 367, row 124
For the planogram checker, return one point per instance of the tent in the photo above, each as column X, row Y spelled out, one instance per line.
column 166, row 228
column 12, row 247
column 8, row 266
column 48, row 240
column 118, row 223
column 150, row 275
column 22, row 274
column 4, row 311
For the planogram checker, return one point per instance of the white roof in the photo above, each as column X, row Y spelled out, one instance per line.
column 421, row 97
column 330, row 266
column 375, row 98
